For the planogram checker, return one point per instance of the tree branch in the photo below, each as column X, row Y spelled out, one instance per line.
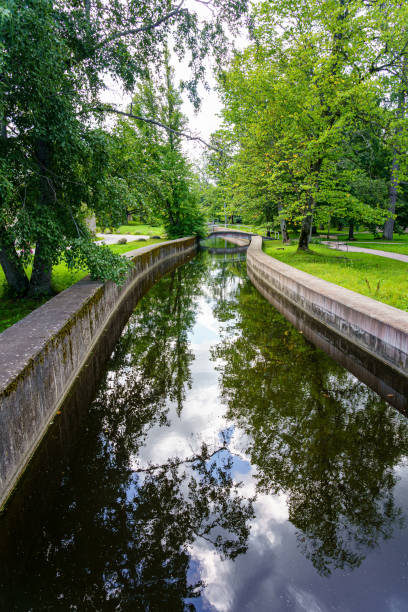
column 165, row 127
column 145, row 28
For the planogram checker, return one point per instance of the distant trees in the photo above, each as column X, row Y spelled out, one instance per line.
column 150, row 158
column 314, row 110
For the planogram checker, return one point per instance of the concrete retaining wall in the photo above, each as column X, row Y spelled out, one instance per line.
column 378, row 329
column 43, row 356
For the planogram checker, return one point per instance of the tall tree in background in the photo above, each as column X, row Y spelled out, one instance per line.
column 164, row 185
column 387, row 58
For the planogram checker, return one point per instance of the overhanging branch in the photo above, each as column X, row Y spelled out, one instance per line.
column 191, row 137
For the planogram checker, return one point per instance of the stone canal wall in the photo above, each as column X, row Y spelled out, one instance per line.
column 378, row 329
column 43, row 356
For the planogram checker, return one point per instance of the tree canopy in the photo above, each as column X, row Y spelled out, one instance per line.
column 315, row 111
column 55, row 148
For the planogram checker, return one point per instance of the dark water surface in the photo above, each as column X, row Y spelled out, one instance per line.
column 225, row 465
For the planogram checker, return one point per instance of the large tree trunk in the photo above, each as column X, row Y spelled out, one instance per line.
column 304, row 237
column 351, row 231
column 40, row 282
column 389, row 224
column 13, row 269
column 307, row 223
column 9, row 260
column 284, row 229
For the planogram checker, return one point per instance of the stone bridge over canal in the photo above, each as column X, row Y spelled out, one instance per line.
column 224, row 232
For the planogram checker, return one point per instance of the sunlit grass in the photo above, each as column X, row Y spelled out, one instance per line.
column 137, row 228
column 382, row 279
column 130, row 246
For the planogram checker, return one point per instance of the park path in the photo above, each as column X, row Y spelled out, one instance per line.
column 113, row 238
column 338, row 246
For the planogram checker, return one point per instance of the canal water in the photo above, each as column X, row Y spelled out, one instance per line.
column 225, row 465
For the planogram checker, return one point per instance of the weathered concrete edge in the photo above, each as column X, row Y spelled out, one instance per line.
column 178, row 249
column 379, row 329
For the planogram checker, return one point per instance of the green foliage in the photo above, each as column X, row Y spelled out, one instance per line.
column 55, row 156
column 100, row 260
column 311, row 120
column 161, row 181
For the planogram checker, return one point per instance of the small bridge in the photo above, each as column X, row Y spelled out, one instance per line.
column 221, row 232
column 224, row 232
column 241, row 239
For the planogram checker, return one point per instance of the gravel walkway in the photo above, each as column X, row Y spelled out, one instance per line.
column 339, row 246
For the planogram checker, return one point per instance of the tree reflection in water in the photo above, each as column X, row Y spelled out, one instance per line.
column 119, row 534
column 315, row 433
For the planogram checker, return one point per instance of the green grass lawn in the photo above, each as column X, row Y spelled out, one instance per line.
column 137, row 228
column 14, row 309
column 382, row 279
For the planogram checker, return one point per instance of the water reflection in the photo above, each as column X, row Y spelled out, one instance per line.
column 315, row 433
column 119, row 532
column 226, row 464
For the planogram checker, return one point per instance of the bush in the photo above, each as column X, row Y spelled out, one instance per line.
column 122, row 241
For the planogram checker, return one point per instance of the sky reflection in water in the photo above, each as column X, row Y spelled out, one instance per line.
column 226, row 465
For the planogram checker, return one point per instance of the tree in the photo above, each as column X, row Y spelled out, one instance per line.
column 385, row 55
column 57, row 54
column 293, row 102
column 152, row 160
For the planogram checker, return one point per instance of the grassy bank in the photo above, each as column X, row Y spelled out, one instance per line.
column 130, row 246
column 14, row 309
column 382, row 279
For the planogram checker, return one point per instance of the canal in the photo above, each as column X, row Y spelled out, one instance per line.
column 225, row 464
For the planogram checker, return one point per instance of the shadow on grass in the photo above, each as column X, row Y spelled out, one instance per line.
column 13, row 308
